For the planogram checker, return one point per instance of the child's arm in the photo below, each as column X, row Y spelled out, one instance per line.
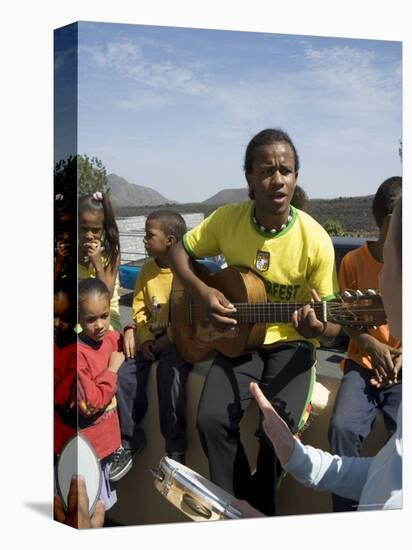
column 106, row 273
column 94, row 391
column 129, row 340
column 142, row 317
column 386, row 360
column 116, row 361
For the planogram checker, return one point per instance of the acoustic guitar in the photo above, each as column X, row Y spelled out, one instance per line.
column 195, row 336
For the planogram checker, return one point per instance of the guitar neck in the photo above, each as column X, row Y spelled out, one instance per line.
column 275, row 312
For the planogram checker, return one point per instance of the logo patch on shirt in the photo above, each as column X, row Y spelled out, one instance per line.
column 262, row 261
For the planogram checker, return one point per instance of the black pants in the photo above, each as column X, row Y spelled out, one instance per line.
column 171, row 374
column 285, row 372
column 132, row 400
column 354, row 413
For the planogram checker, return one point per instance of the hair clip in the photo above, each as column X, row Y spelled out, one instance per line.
column 98, row 196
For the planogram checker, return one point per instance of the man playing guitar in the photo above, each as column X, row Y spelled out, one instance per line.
column 294, row 256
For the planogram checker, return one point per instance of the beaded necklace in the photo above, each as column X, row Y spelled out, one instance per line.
column 265, row 230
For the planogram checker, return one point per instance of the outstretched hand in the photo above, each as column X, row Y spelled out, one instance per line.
column 77, row 514
column 275, row 427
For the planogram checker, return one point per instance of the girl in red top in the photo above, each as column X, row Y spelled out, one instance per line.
column 85, row 373
column 99, row 358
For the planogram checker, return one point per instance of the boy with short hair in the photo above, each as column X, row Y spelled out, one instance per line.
column 150, row 312
column 371, row 368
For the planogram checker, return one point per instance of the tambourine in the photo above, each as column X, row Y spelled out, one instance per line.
column 192, row 494
column 79, row 458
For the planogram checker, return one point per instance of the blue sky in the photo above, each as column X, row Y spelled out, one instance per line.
column 174, row 108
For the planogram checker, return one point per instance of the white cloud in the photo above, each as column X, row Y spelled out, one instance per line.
column 336, row 83
column 142, row 101
column 345, row 101
column 341, row 91
column 127, row 59
column 351, row 77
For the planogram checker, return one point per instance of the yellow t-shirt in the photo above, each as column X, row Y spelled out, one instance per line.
column 291, row 262
column 87, row 272
column 151, row 300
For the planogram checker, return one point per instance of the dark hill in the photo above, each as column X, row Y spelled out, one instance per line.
column 353, row 213
column 227, row 196
column 123, row 193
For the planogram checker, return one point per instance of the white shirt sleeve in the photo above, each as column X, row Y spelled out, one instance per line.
column 344, row 476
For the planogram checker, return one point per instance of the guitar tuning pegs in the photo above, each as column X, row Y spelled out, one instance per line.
column 347, row 293
column 371, row 291
column 359, row 293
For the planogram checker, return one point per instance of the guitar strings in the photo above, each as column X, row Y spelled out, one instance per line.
column 264, row 311
column 253, row 308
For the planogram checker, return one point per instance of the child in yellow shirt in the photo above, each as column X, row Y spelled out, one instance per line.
column 150, row 313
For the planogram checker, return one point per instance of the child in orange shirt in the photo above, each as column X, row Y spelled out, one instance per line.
column 372, row 366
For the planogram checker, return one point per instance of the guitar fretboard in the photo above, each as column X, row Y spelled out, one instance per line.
column 273, row 312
